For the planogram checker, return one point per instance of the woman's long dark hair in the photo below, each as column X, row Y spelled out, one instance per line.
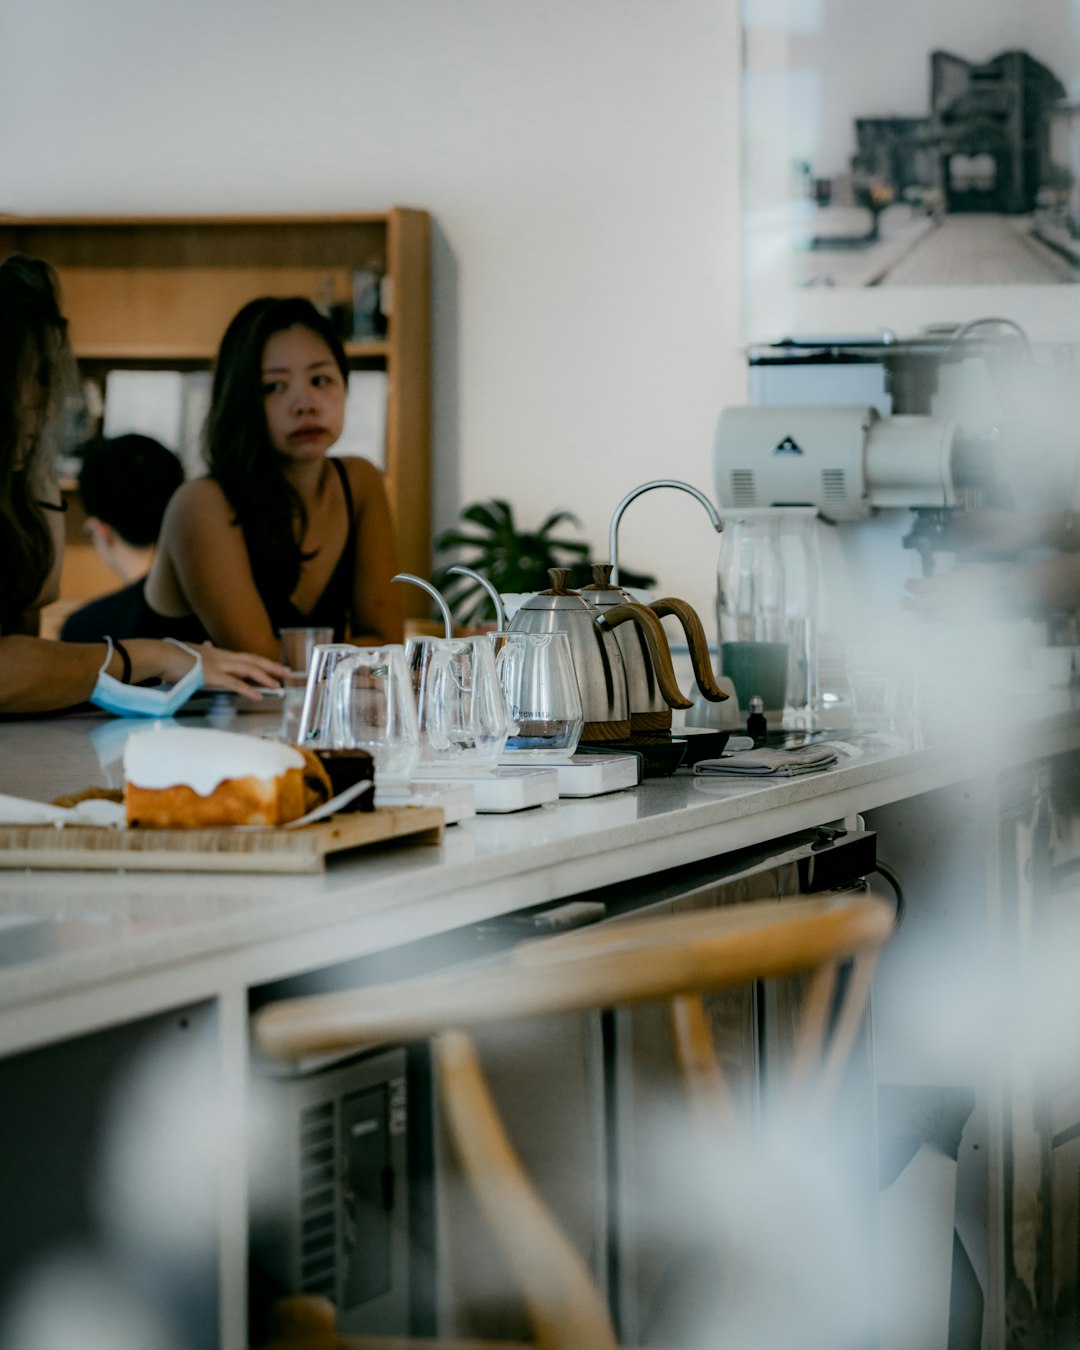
column 238, row 448
column 35, row 360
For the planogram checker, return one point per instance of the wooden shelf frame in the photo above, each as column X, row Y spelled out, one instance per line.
column 160, row 290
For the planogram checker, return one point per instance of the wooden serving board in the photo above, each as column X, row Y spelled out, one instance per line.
column 94, row 848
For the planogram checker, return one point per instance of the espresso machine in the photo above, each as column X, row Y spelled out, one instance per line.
column 888, row 439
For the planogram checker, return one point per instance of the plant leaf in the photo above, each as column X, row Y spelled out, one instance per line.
column 455, row 539
column 512, row 559
column 494, row 516
column 557, row 518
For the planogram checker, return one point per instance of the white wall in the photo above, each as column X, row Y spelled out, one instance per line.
column 580, row 158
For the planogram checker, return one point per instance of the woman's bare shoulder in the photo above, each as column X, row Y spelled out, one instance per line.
column 197, row 510
column 364, row 477
column 198, row 497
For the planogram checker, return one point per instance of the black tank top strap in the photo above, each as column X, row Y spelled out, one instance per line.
column 331, row 610
column 346, row 489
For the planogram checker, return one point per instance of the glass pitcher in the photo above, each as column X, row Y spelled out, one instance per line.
column 767, row 594
column 799, row 555
column 750, row 576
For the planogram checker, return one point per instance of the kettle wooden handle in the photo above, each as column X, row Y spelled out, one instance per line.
column 687, row 615
column 657, row 643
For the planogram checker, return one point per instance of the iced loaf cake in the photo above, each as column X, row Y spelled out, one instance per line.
column 176, row 778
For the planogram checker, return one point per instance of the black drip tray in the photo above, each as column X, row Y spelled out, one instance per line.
column 663, row 752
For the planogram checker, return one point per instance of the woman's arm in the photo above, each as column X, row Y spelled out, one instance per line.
column 377, row 610
column 1011, row 532
column 37, row 675
column 997, row 590
column 202, row 567
column 1053, row 585
column 40, row 676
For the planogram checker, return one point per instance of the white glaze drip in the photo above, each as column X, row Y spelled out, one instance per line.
column 179, row 756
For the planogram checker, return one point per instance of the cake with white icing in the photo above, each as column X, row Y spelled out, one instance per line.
column 176, row 777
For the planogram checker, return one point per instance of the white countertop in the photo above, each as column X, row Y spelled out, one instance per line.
column 107, row 946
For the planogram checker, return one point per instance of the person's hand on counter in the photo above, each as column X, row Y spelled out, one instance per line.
column 38, row 675
column 998, row 532
column 999, row 590
column 241, row 672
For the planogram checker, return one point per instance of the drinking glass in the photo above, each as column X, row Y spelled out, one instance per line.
column 536, row 675
column 313, row 720
column 297, row 647
column 460, row 708
column 882, row 680
column 372, row 709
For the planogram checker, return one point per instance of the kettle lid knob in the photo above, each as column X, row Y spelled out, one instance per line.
column 601, row 580
column 559, row 577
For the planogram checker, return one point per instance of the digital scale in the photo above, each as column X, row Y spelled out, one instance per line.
column 457, row 800
column 516, row 787
column 593, row 775
column 501, row 789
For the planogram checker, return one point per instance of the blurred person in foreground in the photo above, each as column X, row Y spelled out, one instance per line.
column 125, row 483
column 36, row 378
column 1003, row 569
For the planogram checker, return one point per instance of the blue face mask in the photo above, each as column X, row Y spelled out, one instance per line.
column 132, row 700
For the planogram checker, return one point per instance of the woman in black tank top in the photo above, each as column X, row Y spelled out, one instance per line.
column 279, row 535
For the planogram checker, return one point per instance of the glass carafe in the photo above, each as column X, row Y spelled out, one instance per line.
column 750, row 592
column 768, row 594
column 799, row 554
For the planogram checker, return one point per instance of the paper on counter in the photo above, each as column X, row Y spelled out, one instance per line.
column 94, row 811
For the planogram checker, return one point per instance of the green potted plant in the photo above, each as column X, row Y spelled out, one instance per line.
column 513, row 559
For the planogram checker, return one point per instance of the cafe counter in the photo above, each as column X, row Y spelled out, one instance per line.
column 83, row 949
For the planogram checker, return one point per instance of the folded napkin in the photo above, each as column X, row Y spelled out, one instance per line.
column 94, row 811
column 772, row 763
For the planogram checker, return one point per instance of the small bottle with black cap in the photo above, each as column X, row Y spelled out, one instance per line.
column 755, row 721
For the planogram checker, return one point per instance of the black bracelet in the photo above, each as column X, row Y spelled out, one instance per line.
column 122, row 652
column 61, row 505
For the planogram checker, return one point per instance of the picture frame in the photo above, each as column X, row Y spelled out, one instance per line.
column 910, row 167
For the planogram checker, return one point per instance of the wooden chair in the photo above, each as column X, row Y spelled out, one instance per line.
column 677, row 959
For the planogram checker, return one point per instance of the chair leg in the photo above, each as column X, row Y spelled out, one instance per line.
column 564, row 1305
column 846, row 1029
column 303, row 1320
column 707, row 1088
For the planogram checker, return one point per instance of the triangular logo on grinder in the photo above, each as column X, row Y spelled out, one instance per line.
column 788, row 446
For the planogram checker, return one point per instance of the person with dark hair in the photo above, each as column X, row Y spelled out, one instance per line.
column 36, row 373
column 279, row 535
column 125, row 483
column 37, row 675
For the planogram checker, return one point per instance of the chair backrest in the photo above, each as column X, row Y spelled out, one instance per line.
column 676, row 959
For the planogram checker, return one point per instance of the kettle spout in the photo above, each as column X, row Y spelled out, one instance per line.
column 613, row 529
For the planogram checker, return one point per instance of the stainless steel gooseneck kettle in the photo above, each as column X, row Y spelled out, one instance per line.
column 649, row 709
column 598, row 663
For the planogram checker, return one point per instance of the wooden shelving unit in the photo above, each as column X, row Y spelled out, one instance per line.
column 160, row 291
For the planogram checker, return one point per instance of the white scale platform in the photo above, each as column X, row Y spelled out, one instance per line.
column 516, row 787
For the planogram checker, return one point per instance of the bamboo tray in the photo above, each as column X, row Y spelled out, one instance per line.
column 98, row 848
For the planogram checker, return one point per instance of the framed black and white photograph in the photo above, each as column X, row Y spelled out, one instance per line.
column 910, row 165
